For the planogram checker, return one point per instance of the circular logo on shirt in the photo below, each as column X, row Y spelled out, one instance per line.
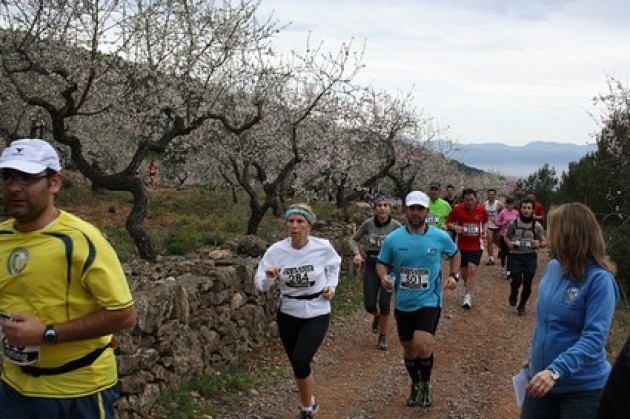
column 18, row 259
column 572, row 294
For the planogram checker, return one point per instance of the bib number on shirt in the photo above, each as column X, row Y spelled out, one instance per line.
column 432, row 219
column 470, row 229
column 523, row 243
column 376, row 240
column 20, row 355
column 297, row 277
column 414, row 278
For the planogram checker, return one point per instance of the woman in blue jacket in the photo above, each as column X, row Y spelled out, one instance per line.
column 576, row 302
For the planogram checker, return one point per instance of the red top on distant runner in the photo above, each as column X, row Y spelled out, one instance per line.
column 472, row 222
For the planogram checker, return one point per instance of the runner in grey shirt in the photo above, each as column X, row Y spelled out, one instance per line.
column 375, row 229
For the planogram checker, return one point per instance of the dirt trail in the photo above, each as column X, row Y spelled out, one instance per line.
column 477, row 352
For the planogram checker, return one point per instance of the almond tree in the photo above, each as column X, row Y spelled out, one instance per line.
column 117, row 80
column 358, row 144
column 264, row 161
column 411, row 134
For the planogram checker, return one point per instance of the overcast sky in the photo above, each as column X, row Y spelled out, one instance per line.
column 511, row 71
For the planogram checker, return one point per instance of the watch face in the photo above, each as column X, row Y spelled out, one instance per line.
column 50, row 335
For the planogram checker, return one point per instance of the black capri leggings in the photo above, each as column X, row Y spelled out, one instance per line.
column 373, row 292
column 301, row 339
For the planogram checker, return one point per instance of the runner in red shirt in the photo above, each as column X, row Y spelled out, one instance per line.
column 539, row 210
column 469, row 221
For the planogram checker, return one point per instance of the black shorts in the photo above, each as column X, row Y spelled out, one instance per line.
column 523, row 262
column 470, row 256
column 425, row 319
column 495, row 229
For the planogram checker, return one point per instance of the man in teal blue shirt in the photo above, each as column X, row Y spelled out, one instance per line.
column 414, row 254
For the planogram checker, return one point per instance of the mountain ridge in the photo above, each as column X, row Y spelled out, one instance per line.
column 520, row 161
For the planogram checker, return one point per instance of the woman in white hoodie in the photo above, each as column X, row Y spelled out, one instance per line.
column 306, row 269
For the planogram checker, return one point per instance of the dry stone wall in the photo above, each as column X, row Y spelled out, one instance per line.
column 197, row 312
column 194, row 313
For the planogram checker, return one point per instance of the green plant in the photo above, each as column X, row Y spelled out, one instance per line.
column 224, row 386
column 182, row 240
column 213, row 239
column 348, row 297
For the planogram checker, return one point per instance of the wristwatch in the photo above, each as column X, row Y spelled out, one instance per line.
column 50, row 334
column 554, row 374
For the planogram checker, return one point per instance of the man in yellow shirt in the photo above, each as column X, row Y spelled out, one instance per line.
column 62, row 295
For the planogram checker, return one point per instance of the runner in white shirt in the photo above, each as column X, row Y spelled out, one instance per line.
column 493, row 207
column 306, row 269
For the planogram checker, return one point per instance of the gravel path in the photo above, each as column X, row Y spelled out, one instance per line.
column 477, row 352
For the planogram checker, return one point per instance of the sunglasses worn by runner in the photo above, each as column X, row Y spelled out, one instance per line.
column 22, row 179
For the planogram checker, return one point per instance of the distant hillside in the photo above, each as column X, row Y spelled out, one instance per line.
column 520, row 160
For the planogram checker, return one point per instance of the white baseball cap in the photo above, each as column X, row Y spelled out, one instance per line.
column 417, row 198
column 30, row 156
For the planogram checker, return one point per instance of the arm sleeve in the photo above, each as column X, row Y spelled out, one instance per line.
column 260, row 278
column 333, row 268
column 509, row 233
column 601, row 302
column 104, row 276
column 354, row 240
column 451, row 217
column 499, row 220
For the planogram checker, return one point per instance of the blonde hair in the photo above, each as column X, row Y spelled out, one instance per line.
column 574, row 237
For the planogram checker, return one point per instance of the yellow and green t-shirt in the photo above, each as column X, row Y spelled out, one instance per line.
column 62, row 272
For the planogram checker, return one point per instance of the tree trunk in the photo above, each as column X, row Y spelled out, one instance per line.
column 135, row 223
column 254, row 219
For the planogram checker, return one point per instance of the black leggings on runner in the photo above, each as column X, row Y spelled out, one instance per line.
column 526, row 279
column 301, row 339
column 373, row 292
column 522, row 267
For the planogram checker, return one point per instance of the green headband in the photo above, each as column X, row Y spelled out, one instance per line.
column 310, row 217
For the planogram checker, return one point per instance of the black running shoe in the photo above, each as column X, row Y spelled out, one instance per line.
column 426, row 394
column 414, row 396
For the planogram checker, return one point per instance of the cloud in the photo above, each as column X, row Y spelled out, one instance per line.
column 508, row 62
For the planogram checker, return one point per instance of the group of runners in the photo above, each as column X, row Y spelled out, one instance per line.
column 475, row 227
column 410, row 259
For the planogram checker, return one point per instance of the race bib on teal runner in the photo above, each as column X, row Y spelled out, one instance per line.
column 414, row 278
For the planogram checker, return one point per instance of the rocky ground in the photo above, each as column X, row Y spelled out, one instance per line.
column 476, row 354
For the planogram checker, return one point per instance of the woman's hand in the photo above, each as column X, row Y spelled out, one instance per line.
column 357, row 260
column 328, row 293
column 540, row 384
column 272, row 271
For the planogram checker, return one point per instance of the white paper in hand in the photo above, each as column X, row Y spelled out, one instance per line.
column 519, row 382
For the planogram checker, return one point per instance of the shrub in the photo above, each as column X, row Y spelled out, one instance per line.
column 182, row 240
